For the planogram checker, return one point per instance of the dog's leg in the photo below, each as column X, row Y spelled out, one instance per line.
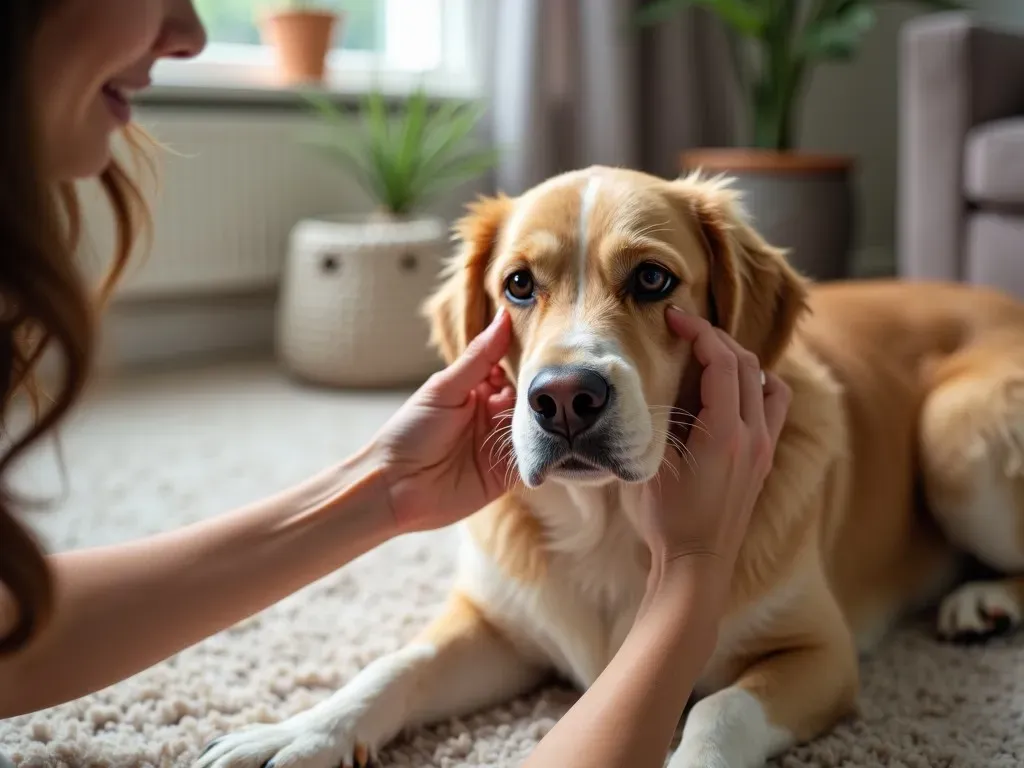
column 972, row 450
column 458, row 665
column 785, row 698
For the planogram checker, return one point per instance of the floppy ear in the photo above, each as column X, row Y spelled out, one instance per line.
column 460, row 308
column 754, row 294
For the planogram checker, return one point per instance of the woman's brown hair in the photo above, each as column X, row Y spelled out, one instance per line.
column 45, row 302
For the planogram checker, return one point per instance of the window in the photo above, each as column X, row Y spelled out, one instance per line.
column 393, row 44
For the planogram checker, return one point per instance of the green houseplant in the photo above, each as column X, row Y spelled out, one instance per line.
column 802, row 201
column 349, row 314
column 406, row 159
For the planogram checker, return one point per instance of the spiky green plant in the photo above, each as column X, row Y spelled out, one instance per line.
column 776, row 43
column 406, row 158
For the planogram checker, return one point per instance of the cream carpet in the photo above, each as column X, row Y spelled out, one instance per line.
column 160, row 451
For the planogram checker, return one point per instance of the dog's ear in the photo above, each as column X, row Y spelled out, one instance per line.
column 754, row 294
column 460, row 308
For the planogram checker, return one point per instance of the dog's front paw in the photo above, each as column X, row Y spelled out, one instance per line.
column 709, row 757
column 304, row 741
column 978, row 611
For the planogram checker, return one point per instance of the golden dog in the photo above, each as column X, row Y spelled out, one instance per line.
column 903, row 450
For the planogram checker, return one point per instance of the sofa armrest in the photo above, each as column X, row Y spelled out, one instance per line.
column 954, row 74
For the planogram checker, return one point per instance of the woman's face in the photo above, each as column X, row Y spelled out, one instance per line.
column 90, row 58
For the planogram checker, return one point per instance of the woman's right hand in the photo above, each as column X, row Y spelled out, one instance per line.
column 699, row 506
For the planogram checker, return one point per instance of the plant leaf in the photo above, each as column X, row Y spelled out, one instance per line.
column 840, row 35
column 415, row 123
column 402, row 157
column 461, row 169
column 449, row 129
column 747, row 18
column 941, row 5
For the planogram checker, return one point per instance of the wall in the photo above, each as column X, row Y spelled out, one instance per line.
column 233, row 180
column 853, row 108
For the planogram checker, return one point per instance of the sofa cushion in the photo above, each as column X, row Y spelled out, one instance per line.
column 994, row 163
column 994, row 251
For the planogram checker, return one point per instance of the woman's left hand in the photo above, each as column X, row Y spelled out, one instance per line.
column 445, row 452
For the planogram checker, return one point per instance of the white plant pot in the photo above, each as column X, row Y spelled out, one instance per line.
column 349, row 309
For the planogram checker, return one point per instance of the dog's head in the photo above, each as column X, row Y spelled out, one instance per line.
column 586, row 263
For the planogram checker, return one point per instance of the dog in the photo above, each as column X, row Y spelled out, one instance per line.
column 902, row 455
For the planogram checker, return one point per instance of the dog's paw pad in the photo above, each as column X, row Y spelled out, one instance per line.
column 978, row 611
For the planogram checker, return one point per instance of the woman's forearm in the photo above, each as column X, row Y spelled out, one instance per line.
column 120, row 609
column 629, row 715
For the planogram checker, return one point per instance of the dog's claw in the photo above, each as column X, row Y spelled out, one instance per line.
column 362, row 756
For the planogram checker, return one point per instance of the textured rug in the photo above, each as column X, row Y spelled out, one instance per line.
column 162, row 450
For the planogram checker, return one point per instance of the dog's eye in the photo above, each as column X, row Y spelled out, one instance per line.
column 519, row 286
column 651, row 282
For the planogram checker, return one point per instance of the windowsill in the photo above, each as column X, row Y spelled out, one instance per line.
column 260, row 89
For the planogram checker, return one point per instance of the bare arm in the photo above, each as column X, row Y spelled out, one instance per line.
column 629, row 715
column 122, row 608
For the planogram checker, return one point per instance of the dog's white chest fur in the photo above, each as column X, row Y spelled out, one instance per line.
column 578, row 616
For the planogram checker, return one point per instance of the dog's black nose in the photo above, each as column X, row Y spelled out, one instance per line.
column 567, row 400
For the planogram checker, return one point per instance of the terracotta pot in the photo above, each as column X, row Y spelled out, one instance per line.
column 800, row 201
column 301, row 41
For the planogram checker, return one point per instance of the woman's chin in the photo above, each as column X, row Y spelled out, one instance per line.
column 84, row 158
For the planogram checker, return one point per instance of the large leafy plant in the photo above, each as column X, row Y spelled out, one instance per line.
column 405, row 156
column 775, row 45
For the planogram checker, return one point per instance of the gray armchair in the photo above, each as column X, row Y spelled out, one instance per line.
column 961, row 141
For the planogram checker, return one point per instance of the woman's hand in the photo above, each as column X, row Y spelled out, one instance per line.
column 444, row 451
column 700, row 504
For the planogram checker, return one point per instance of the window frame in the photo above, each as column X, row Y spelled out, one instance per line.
column 227, row 70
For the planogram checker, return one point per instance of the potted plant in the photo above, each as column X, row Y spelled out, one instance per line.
column 798, row 200
column 301, row 33
column 353, row 285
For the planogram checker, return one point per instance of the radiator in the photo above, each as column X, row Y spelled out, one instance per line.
column 231, row 186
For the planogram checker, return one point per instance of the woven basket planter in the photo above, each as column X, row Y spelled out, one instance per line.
column 349, row 311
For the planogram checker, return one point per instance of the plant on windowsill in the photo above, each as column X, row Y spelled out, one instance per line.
column 354, row 285
column 799, row 200
column 301, row 33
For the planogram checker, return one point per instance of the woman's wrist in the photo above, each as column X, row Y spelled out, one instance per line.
column 360, row 487
column 692, row 588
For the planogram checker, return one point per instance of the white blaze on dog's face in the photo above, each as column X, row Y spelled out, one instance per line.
column 586, row 264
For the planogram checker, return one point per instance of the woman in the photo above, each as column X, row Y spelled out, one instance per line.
column 67, row 69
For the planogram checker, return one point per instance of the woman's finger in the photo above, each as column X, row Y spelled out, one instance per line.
column 751, row 387
column 449, row 387
column 719, row 383
column 777, row 396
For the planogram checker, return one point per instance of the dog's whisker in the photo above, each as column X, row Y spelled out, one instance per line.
column 684, row 451
column 693, row 424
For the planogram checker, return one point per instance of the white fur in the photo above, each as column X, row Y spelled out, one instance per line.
column 973, row 607
column 729, row 729
column 579, row 615
column 587, row 204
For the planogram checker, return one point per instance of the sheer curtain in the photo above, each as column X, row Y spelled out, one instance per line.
column 576, row 82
